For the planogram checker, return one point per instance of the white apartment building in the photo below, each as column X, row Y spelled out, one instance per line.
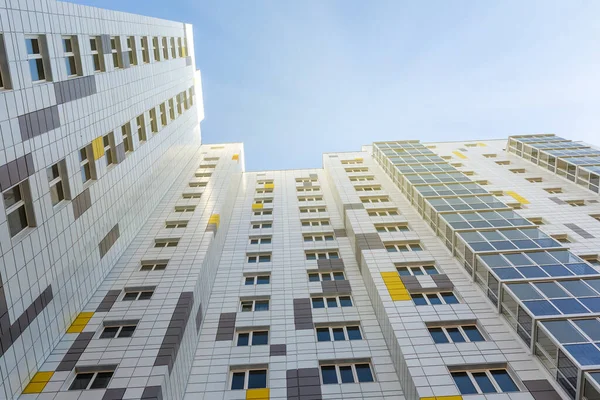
column 138, row 263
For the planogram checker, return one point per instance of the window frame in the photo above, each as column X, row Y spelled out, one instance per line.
column 255, row 277
column 460, row 328
column 110, row 153
column 74, row 54
column 318, row 237
column 132, row 50
column 260, row 225
column 89, row 162
column 251, row 333
column 165, row 47
column 156, row 48
column 5, row 78
column 325, row 298
column 421, row 267
column 116, row 52
column 352, row 365
column 329, row 255
column 490, row 377
column 397, row 227
column 166, row 242
column 259, row 258
column 118, row 332
column 138, row 295
column 25, row 202
column 439, row 295
column 145, row 49
column 140, row 120
column 321, row 276
column 153, row 265
column 253, row 306
column 163, row 114
column 247, row 372
column 92, row 380
column 404, row 247
column 153, row 120
column 127, row 139
column 42, row 55
column 344, row 326
column 62, row 180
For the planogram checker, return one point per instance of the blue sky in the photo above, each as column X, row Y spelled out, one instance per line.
column 294, row 79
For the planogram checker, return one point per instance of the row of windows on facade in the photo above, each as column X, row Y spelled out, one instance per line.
column 17, row 199
column 39, row 61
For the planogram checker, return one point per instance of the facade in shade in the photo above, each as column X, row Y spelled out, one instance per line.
column 138, row 263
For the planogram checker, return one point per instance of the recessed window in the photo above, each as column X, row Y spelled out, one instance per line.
column 87, row 165
column 179, row 99
column 173, row 242
column 262, row 225
column 127, row 139
column 191, row 195
column 489, row 155
column 141, row 128
column 484, row 381
column 19, row 208
column 497, row 192
column 361, row 178
column 207, row 165
column 131, row 50
column 315, row 222
column 57, row 181
column 92, row 380
column 158, row 265
column 191, row 95
column 536, row 220
column 203, row 174
column 304, row 210
column 302, row 180
column 515, row 206
column 71, row 55
column 517, row 170
column 391, row 228
column 403, row 247
column 326, row 276
column 346, row 373
column 310, row 198
column 263, row 201
column 248, row 379
column 260, row 240
column 180, row 47
column 171, row 109
column 367, row 188
column 562, row 238
column 153, row 121
column 185, row 208
column 415, row 270
column 259, row 213
column 576, row 203
column 322, row 255
column 108, row 141
column 257, row 280
column 155, row 48
column 37, row 58
column 117, row 331
column 115, row 50
column 198, row 184
column 163, row 114
column 145, row 50
column 432, row 299
column 455, row 334
column 382, row 212
column 593, row 260
column 357, row 169
column 262, row 191
column 165, row 48
column 534, row 180
column 259, row 258
column 254, row 305
column 374, row 199
column 138, row 295
column 252, row 338
column 503, row 162
column 352, row 162
column 325, row 237
column 468, row 173
column 5, row 81
column 553, row 190
column 338, row 333
column 173, row 48
column 176, row 224
column 470, row 144
column 331, row 302
column 308, row 189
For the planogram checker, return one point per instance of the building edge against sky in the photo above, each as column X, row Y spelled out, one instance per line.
column 137, row 263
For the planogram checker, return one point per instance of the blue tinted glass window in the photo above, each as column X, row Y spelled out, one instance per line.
column 462, row 380
column 257, row 379
column 484, row 382
column 326, row 277
column 430, row 270
column 518, row 259
column 259, row 338
column 363, row 373
column 578, row 288
column 449, row 298
column 243, row 339
column 237, row 381
column 585, row 354
column 331, row 302
column 525, row 244
column 433, row 299
column 338, row 334
column 595, row 283
column 354, row 333
column 249, row 280
column 345, row 301
column 483, row 246
column 403, row 271
column 591, row 327
column 540, row 307
column 263, row 280
column 438, row 335
column 313, row 277
column 261, row 305
column 323, row 335
column 507, row 273
column 515, row 234
column 569, row 306
column 582, row 269
column 346, row 374
column 524, row 291
column 492, row 235
column 455, row 335
column 542, row 258
column 473, row 333
column 328, row 374
column 564, row 332
column 317, row 302
column 504, row 380
column 593, row 303
column 533, row 272
column 551, row 290
column 418, row 299
column 338, row 276
column 556, row 270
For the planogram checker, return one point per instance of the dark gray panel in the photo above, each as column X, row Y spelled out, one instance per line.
column 303, row 383
column 114, row 394
column 75, row 351
column 354, row 206
column 16, row 171
column 152, row 393
column 442, row 281
column 75, row 89
column 335, row 287
column 541, row 389
column 330, row 265
column 226, row 327
column 411, row 283
column 278, row 350
column 199, row 317
column 307, row 184
column 188, row 61
column 169, row 348
column 303, row 314
column 340, row 233
column 81, row 203
column 108, row 301
column 557, row 200
column 369, row 241
column 107, row 242
column 120, row 152
column 38, row 122
column 580, row 231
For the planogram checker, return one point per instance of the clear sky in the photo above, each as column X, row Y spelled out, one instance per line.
column 293, row 79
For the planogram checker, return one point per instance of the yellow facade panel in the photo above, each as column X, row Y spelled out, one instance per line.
column 258, row 394
column 459, row 154
column 215, row 219
column 395, row 287
column 269, row 185
column 38, row 382
column 80, row 322
column 235, row 157
column 517, row 197
column 98, row 148
column 257, row 206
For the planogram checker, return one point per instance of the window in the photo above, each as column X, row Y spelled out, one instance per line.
column 173, row 48
column 308, row 189
column 484, row 381
column 165, row 46
column 262, row 212
column 503, row 162
column 57, row 180
column 254, row 305
column 154, row 265
column 338, row 333
column 37, row 58
column 71, row 55
column 351, row 162
column 326, row 276
column 322, row 255
column 262, row 225
column 171, row 109
column 374, row 199
column 357, row 169
column 562, row 238
column 203, row 174
column 185, row 208
column 497, row 192
column 391, row 228
column 127, row 139
column 91, row 380
column 536, row 220
column 470, row 144
column 402, row 247
column 87, row 164
column 414, row 270
column 134, row 295
column 257, row 280
column 346, row 373
column 179, row 99
column 117, row 331
column 331, row 302
column 131, row 50
column 108, row 141
column 367, row 188
column 361, row 178
column 424, row 299
column 315, row 222
column 5, row 82
column 145, row 50
column 312, row 209
column 534, row 180
column 260, row 240
column 593, row 260
column 310, row 198
column 191, row 96
column 455, row 334
column 197, row 184
column 261, row 191
column 517, row 170
column 252, row 338
column 176, row 224
column 191, row 195
column 166, row 242
column 115, row 50
column 185, row 51
column 553, row 190
column 318, row 238
column 19, row 208
column 156, row 49
column 141, row 128
column 576, row 203
column 515, row 206
column 180, row 47
column 248, row 379
column 259, row 258
column 382, row 212
column 163, row 114
column 153, row 122
column 489, row 155
column 468, row 173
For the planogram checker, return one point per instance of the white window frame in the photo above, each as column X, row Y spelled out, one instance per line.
column 62, row 180
column 163, row 114
column 262, row 191
column 187, row 208
column 309, row 198
column 411, row 269
column 176, row 224
column 308, row 189
column 172, row 114
column 263, row 201
column 180, row 47
column 318, row 237
column 343, row 327
column 383, row 213
column 339, row 376
column 460, row 330
column 259, row 240
column 155, row 265
column 42, row 55
column 92, row 380
column 145, row 49
column 173, row 48
column 258, row 213
column 24, row 202
column 140, row 120
column 250, row 333
column 156, row 48
column 115, row 52
column 167, row 242
column 337, row 300
column 304, row 210
column 375, row 200
column 246, row 372
column 317, row 222
column 254, row 279
column 328, row 255
column 191, row 195
column 362, row 178
column 5, row 81
column 74, row 54
column 120, row 329
column 373, row 188
column 357, row 169
column 132, row 50
column 153, row 120
column 381, row 228
column 253, row 305
column 256, row 258
column 439, row 296
column 403, row 247
column 165, row 48
column 179, row 99
column 260, row 225
column 138, row 295
column 127, row 139
column 556, row 190
column 109, row 149
column 302, row 180
column 87, row 161
column 490, row 377
column 197, row 184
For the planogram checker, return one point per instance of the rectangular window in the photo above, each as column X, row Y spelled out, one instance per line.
column 432, row 299
column 197, row 184
column 517, row 170
column 191, row 96
column 37, row 58
column 87, row 165
column 402, row 247
column 134, row 295
column 576, row 203
column 19, row 208
column 176, row 224
column 155, row 48
column 173, row 48
column 534, row 180
column 379, row 212
column 318, row 238
column 154, row 265
column 562, row 238
column 322, row 255
column 262, row 212
column 455, row 333
column 310, row 198
column 185, row 48
column 374, row 199
column 338, row 333
column 173, row 242
column 141, row 128
column 352, row 162
column 361, row 178
column 163, row 114
column 553, row 190
column 185, row 100
column 260, row 240
column 92, row 380
column 302, row 180
column 484, row 381
column 5, row 82
column 252, row 338
column 415, row 270
column 263, row 201
column 191, row 195
column 254, row 305
column 304, row 210
column 489, row 155
column 131, row 50
column 503, row 162
column 171, row 109
column 315, row 222
column 58, row 183
column 262, row 225
column 114, row 330
column 252, row 280
column 346, row 373
column 185, row 208
column 127, row 139
column 179, row 98
column 248, row 379
column 165, row 48
column 115, row 50
column 592, row 260
column 308, row 189
column 261, row 191
column 391, row 228
column 145, row 50
column 71, row 55
column 326, row 276
column 357, row 169
column 367, row 188
column 108, row 141
column 259, row 258
column 331, row 302
column 180, row 47
column 153, row 122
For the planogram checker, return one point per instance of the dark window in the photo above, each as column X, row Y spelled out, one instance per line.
column 257, row 379
column 473, row 333
column 438, row 335
column 237, row 381
column 331, row 302
column 261, row 305
column 145, row 295
column 101, row 381
column 346, row 374
column 81, row 381
column 463, row 381
column 249, row 280
column 263, row 280
column 354, row 333
column 455, row 334
column 323, row 335
column 328, row 374
column 260, row 337
column 363, row 373
column 504, row 380
column 338, row 334
column 243, row 339
column 345, row 301
column 109, row 332
column 317, row 302
column 485, row 384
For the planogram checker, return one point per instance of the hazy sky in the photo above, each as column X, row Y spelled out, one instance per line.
column 293, row 79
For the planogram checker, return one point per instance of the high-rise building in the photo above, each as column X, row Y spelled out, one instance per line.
column 138, row 263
